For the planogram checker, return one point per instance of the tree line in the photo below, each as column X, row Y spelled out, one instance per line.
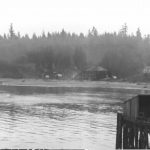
column 121, row 53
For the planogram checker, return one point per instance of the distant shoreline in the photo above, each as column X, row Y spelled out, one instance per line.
column 30, row 86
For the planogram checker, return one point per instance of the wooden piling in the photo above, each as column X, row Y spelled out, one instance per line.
column 119, row 131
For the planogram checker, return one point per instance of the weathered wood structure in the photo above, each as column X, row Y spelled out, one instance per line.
column 133, row 125
column 137, row 108
column 93, row 73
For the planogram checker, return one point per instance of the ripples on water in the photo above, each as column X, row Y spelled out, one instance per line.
column 69, row 120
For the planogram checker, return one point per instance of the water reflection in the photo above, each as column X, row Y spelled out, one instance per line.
column 71, row 120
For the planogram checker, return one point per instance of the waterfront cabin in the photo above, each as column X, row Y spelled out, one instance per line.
column 137, row 108
column 93, row 73
column 146, row 72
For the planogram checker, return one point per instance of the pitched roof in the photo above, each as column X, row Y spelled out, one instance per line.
column 96, row 68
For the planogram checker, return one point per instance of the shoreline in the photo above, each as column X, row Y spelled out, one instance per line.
column 30, row 86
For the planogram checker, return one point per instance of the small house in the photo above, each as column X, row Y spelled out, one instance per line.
column 93, row 73
column 146, row 70
column 137, row 108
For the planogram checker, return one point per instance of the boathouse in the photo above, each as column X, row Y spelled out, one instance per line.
column 93, row 73
column 137, row 108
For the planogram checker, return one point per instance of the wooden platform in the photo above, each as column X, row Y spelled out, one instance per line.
column 132, row 134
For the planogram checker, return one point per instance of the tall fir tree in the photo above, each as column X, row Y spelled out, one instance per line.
column 11, row 32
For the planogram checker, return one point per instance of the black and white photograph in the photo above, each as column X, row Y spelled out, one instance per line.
column 74, row 74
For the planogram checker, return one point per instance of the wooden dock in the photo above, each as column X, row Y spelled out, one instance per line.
column 132, row 134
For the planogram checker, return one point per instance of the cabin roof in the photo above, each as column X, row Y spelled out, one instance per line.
column 96, row 68
column 140, row 95
column 147, row 67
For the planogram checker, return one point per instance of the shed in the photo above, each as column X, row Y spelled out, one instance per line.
column 137, row 108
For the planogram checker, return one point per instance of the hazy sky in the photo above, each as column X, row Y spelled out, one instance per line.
column 29, row 16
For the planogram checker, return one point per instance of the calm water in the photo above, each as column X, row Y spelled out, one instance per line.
column 69, row 120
